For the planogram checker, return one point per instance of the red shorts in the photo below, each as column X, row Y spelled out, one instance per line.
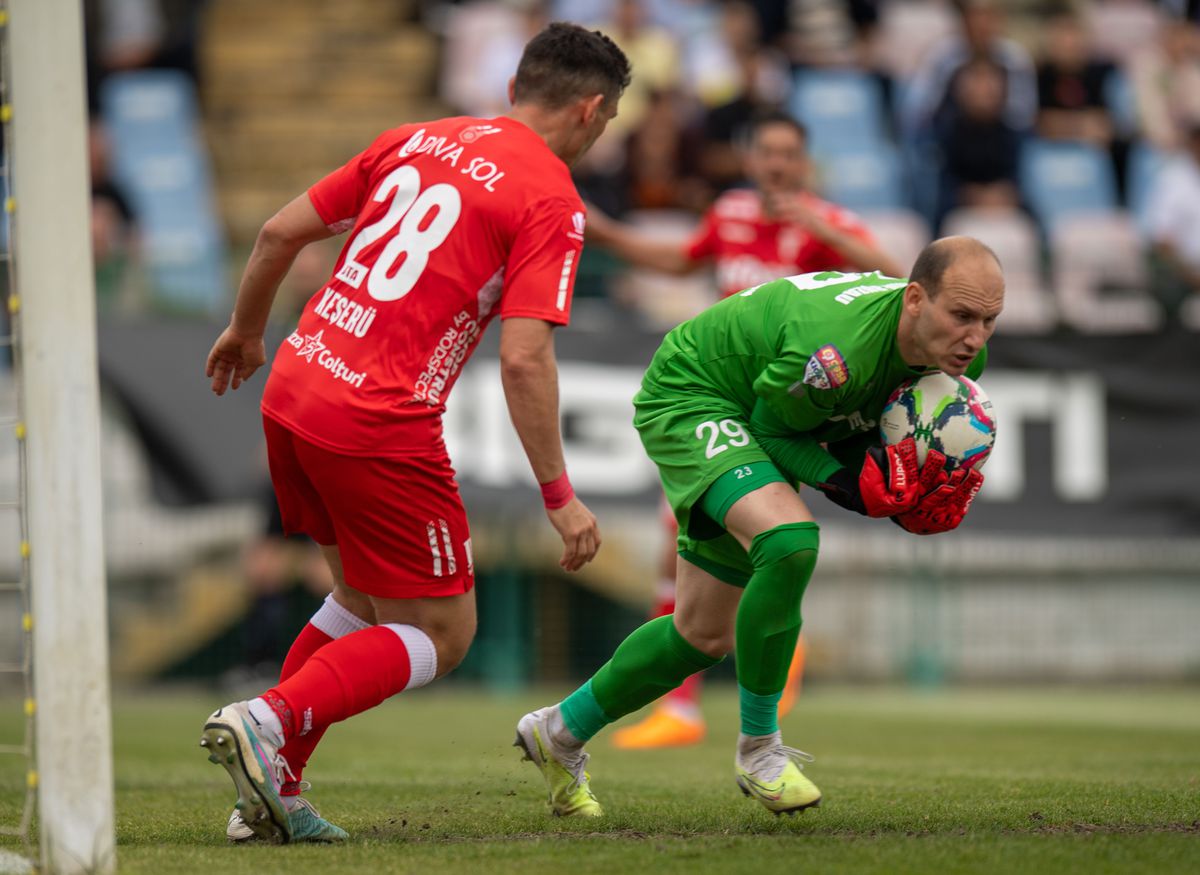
column 399, row 524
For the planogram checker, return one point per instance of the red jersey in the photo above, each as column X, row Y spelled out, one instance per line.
column 454, row 221
column 750, row 249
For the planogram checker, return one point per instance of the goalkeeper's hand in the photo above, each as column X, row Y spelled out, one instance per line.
column 945, row 505
column 890, row 482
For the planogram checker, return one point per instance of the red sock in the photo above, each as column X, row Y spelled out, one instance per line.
column 300, row 747
column 343, row 678
column 687, row 693
column 664, row 599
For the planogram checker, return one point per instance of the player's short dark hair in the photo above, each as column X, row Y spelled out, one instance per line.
column 566, row 62
column 766, row 117
column 931, row 264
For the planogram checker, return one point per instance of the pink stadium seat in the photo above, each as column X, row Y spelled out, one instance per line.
column 908, row 30
column 902, row 234
column 1100, row 275
column 665, row 300
column 1120, row 28
column 1028, row 305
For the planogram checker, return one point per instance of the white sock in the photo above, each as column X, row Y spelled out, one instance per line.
column 270, row 728
column 335, row 620
column 422, row 655
column 560, row 735
column 748, row 745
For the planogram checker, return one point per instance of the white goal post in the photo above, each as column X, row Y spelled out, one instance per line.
column 59, row 388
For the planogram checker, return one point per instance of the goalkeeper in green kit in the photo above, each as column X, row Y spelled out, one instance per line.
column 778, row 385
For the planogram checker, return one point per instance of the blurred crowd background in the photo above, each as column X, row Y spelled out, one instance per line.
column 1064, row 134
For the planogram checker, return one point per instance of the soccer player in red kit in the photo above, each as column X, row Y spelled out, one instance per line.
column 749, row 236
column 451, row 222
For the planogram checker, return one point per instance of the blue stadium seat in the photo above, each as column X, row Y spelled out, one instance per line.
column 841, row 108
column 161, row 163
column 1121, row 102
column 866, row 178
column 1142, row 169
column 1059, row 179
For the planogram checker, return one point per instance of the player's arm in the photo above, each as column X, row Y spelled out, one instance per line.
column 632, row 245
column 799, row 455
column 851, row 241
column 239, row 351
column 861, row 254
column 529, row 373
column 795, row 394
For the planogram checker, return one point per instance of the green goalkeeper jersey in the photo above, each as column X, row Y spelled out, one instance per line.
column 812, row 355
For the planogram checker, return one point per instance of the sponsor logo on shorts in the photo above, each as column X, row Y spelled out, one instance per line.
column 826, row 369
column 440, row 546
column 312, row 348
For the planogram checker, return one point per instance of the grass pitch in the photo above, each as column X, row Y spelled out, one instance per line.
column 998, row 781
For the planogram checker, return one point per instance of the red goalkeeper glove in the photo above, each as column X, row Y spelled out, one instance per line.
column 890, row 482
column 943, row 507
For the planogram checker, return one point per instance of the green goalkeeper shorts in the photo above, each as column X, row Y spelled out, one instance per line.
column 695, row 440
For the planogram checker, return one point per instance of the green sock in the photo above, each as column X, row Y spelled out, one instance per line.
column 652, row 661
column 760, row 714
column 768, row 619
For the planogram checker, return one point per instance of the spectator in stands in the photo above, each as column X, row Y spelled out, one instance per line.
column 763, row 84
column 979, row 147
column 1173, row 208
column 1071, row 83
column 660, row 160
column 982, row 35
column 653, row 51
column 821, row 33
column 1166, row 82
column 113, row 226
column 484, row 41
column 776, row 229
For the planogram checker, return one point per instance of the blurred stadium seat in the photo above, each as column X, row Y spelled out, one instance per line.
column 1121, row 102
column 901, row 233
column 1120, row 28
column 664, row 300
column 160, row 160
column 862, row 179
column 1061, row 178
column 1028, row 305
column 908, row 30
column 842, row 109
column 1100, row 275
column 1144, row 164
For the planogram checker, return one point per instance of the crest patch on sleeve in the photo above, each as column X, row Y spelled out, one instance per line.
column 826, row 369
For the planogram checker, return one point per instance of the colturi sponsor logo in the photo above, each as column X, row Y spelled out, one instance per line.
column 312, row 348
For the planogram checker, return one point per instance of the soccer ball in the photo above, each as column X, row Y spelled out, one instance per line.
column 949, row 414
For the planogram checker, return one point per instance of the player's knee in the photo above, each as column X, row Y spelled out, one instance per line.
column 792, row 547
column 713, row 636
column 452, row 645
